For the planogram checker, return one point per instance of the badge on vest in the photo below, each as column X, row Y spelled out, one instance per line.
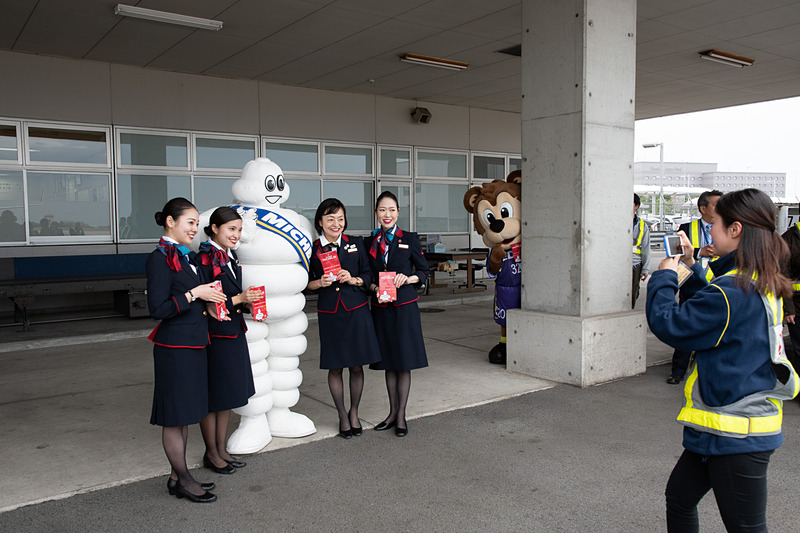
column 402, row 246
column 350, row 248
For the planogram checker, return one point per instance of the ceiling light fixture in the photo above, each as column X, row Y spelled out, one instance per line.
column 726, row 58
column 169, row 18
column 437, row 62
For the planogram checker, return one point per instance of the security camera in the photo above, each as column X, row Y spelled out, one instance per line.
column 421, row 115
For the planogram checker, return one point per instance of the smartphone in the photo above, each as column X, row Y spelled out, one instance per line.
column 672, row 244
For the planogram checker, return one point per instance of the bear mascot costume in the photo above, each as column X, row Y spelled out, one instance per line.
column 496, row 209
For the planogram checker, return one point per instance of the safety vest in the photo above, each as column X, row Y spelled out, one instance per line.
column 694, row 237
column 758, row 414
column 637, row 239
column 796, row 283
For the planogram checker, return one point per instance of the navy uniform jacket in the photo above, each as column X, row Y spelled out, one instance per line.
column 231, row 286
column 183, row 324
column 405, row 257
column 353, row 258
column 727, row 327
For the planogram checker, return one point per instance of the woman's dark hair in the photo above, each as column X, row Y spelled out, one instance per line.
column 220, row 216
column 328, row 206
column 387, row 194
column 174, row 208
column 761, row 250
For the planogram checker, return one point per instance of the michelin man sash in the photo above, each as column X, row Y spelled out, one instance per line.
column 277, row 224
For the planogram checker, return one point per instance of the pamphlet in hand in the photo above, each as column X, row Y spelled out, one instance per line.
column 387, row 292
column 259, row 307
column 330, row 263
column 222, row 311
column 515, row 249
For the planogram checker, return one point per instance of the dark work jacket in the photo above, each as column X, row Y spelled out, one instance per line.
column 727, row 327
column 405, row 257
column 353, row 258
column 231, row 287
column 183, row 324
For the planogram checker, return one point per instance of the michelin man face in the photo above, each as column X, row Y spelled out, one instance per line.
column 261, row 184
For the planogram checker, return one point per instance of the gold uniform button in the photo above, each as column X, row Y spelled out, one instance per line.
column 239, row 311
column 337, row 289
column 205, row 313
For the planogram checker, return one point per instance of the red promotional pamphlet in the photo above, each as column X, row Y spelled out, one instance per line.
column 387, row 292
column 260, row 306
column 515, row 249
column 330, row 263
column 222, row 311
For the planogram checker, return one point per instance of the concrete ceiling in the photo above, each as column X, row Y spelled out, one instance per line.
column 353, row 46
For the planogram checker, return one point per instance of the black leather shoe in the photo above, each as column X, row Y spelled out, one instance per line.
column 346, row 433
column 383, row 426
column 206, row 497
column 227, row 469
column 674, row 380
column 357, row 432
column 172, row 483
column 236, row 463
column 401, row 432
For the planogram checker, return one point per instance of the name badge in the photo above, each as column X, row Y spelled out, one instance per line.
column 402, row 246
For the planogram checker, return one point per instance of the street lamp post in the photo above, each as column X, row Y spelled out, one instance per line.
column 661, row 192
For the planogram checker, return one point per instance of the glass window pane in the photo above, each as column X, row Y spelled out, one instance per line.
column 12, row 210
column 224, row 153
column 66, row 205
column 67, row 146
column 212, row 192
column 303, row 197
column 441, row 165
column 403, row 193
column 395, row 162
column 294, row 157
column 8, row 143
column 348, row 160
column 357, row 198
column 514, row 163
column 153, row 150
column 440, row 208
column 141, row 196
column 488, row 168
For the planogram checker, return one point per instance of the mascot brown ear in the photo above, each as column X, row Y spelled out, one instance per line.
column 470, row 198
column 515, row 176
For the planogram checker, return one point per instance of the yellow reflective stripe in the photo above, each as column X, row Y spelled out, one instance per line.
column 694, row 233
column 739, row 425
column 727, row 318
column 709, row 275
column 796, row 286
column 641, row 236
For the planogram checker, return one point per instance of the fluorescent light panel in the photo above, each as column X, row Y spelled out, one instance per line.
column 437, row 62
column 169, row 18
column 726, row 58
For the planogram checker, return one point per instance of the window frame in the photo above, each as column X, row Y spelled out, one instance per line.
column 66, row 126
column 119, row 130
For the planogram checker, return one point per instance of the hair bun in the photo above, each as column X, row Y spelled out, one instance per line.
column 159, row 218
column 208, row 231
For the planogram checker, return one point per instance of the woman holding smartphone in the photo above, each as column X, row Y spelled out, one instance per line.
column 177, row 294
column 732, row 409
column 340, row 275
column 230, row 375
column 397, row 323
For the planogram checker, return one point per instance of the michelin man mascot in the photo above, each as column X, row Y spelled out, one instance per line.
column 274, row 251
column 496, row 212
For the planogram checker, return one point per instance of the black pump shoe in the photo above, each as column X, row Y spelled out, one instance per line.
column 181, row 492
column 383, row 426
column 237, row 463
column 346, row 433
column 227, row 469
column 401, row 432
column 172, row 484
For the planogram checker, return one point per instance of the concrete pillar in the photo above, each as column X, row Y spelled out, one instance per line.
column 578, row 81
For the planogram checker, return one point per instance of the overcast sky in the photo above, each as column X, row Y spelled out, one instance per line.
column 750, row 138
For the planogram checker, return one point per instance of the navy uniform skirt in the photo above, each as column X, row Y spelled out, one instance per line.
column 347, row 338
column 180, row 397
column 230, row 376
column 399, row 332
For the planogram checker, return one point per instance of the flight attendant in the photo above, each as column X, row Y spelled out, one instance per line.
column 177, row 295
column 397, row 323
column 346, row 334
column 230, row 376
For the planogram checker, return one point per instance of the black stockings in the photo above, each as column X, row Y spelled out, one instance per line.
column 215, row 434
column 398, row 385
column 174, row 441
column 347, row 419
